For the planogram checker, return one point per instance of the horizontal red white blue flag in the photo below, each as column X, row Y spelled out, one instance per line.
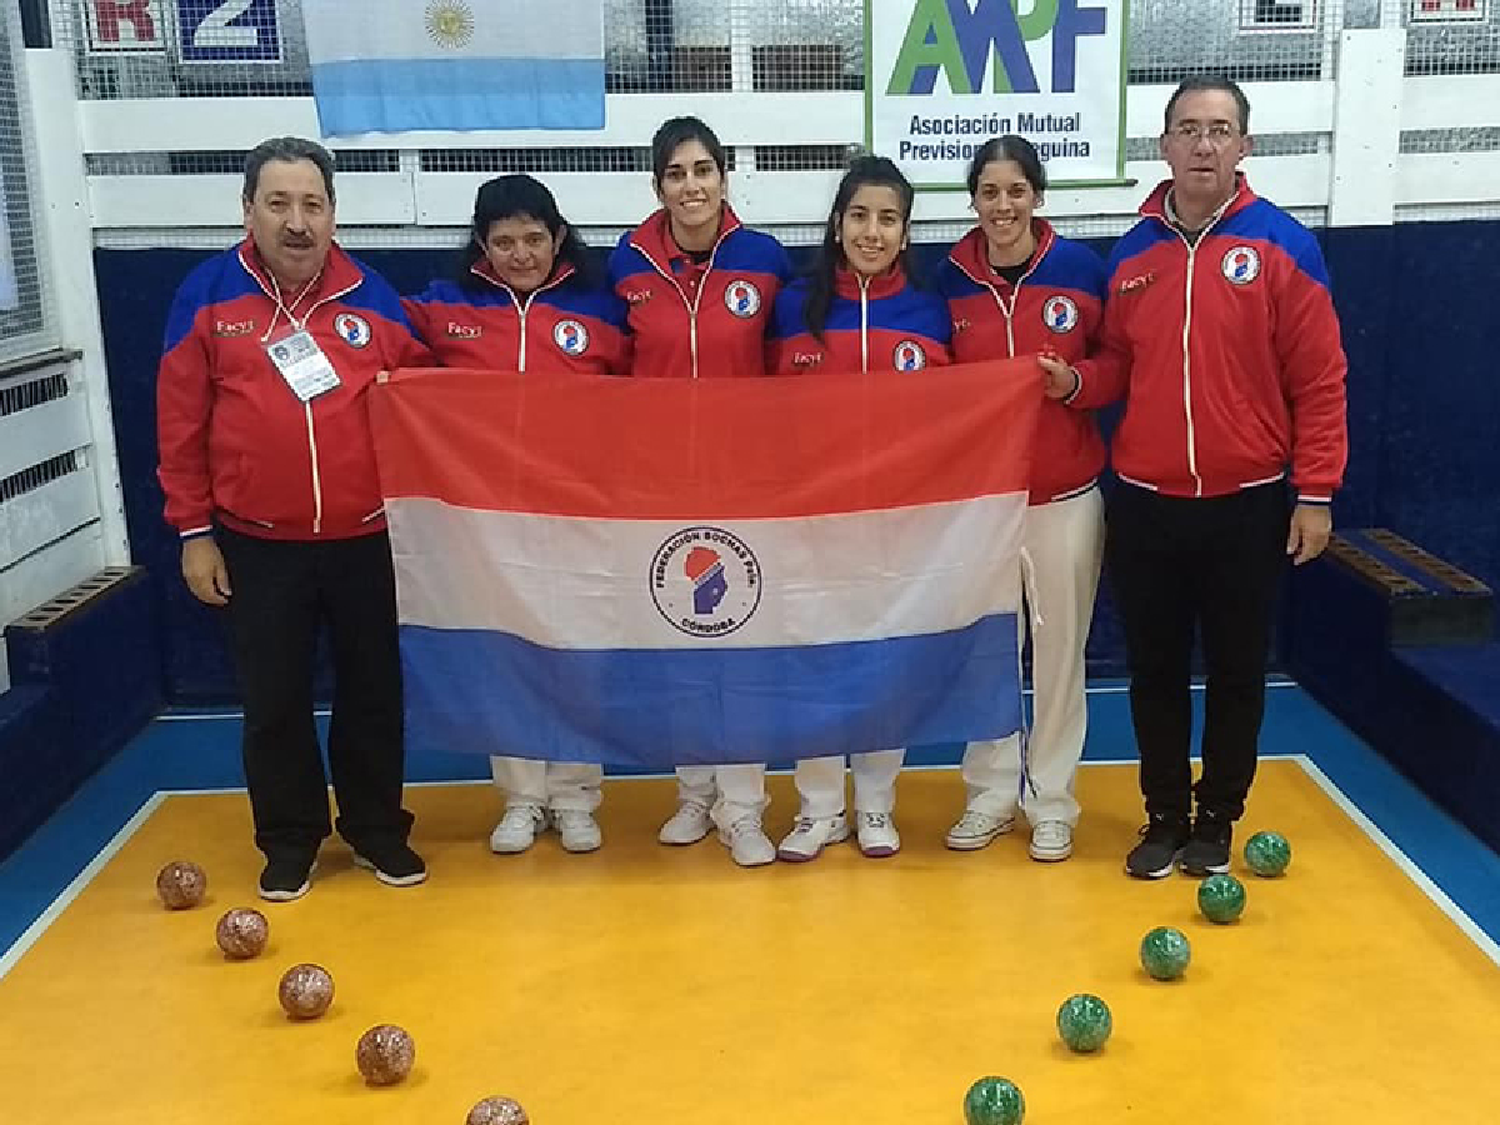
column 658, row 572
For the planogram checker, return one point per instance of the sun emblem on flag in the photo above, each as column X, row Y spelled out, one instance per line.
column 450, row 23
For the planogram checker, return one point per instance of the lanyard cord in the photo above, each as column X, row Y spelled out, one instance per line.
column 281, row 306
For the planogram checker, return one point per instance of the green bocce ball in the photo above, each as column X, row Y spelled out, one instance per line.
column 1084, row 1022
column 994, row 1101
column 1221, row 898
column 1268, row 854
column 1165, row 953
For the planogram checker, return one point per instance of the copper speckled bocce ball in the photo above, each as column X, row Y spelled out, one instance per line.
column 181, row 885
column 497, row 1111
column 385, row 1054
column 242, row 933
column 305, row 991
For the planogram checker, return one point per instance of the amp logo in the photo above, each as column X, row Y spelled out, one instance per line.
column 966, row 40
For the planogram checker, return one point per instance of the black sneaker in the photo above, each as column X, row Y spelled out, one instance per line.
column 1162, row 841
column 1207, row 853
column 394, row 864
column 286, row 878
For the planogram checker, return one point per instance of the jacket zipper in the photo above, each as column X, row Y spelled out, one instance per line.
column 691, row 306
column 1008, row 311
column 312, row 436
column 864, row 325
column 1187, row 326
column 1187, row 369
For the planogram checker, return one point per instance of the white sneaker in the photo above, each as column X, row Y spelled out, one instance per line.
column 1051, row 841
column 578, row 829
column 810, row 835
column 517, row 829
column 878, row 837
column 975, row 830
column 689, row 824
column 748, row 843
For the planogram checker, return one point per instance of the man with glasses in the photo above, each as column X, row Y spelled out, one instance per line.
column 1220, row 334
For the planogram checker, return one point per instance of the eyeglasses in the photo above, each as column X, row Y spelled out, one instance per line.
column 1218, row 133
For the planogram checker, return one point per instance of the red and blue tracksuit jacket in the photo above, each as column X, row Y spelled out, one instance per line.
column 563, row 326
column 235, row 443
column 687, row 322
column 1227, row 353
column 1055, row 307
column 876, row 324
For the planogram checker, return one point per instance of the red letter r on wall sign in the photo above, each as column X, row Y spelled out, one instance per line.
column 108, row 15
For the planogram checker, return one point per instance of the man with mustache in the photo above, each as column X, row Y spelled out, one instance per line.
column 1220, row 334
column 269, row 473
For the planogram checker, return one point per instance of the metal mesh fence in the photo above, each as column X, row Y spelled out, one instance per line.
column 1250, row 40
column 1451, row 140
column 1452, row 36
column 256, row 48
column 24, row 327
column 226, row 162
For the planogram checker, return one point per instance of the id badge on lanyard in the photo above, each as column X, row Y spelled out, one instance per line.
column 303, row 365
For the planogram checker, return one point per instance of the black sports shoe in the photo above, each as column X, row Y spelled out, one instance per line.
column 394, row 863
column 1207, row 852
column 1162, row 841
column 286, row 877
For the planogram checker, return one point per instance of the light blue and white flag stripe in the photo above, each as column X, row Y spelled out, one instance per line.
column 390, row 66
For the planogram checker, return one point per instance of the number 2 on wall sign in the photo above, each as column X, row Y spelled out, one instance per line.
column 215, row 31
column 231, row 31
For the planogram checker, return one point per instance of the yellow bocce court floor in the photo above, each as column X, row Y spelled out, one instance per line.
column 643, row 985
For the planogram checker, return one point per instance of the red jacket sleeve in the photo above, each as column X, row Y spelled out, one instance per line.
column 405, row 347
column 773, row 349
column 1104, row 376
column 184, row 405
column 1313, row 370
column 621, row 355
column 417, row 312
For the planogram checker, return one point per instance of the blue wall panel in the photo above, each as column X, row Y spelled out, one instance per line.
column 1440, row 426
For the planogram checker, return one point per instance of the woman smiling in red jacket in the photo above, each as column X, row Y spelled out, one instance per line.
column 700, row 287
column 525, row 300
column 1014, row 287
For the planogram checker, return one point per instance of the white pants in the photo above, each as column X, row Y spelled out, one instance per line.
column 1065, row 540
column 564, row 786
column 728, row 792
column 820, row 781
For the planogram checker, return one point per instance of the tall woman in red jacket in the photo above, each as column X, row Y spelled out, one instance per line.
column 1014, row 287
column 858, row 311
column 525, row 300
column 699, row 287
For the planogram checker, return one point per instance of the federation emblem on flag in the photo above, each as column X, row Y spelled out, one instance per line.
column 1241, row 265
column 450, row 23
column 571, row 337
column 1059, row 313
column 705, row 581
column 742, row 298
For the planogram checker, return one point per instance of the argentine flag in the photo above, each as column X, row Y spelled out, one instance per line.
column 389, row 66
column 660, row 572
